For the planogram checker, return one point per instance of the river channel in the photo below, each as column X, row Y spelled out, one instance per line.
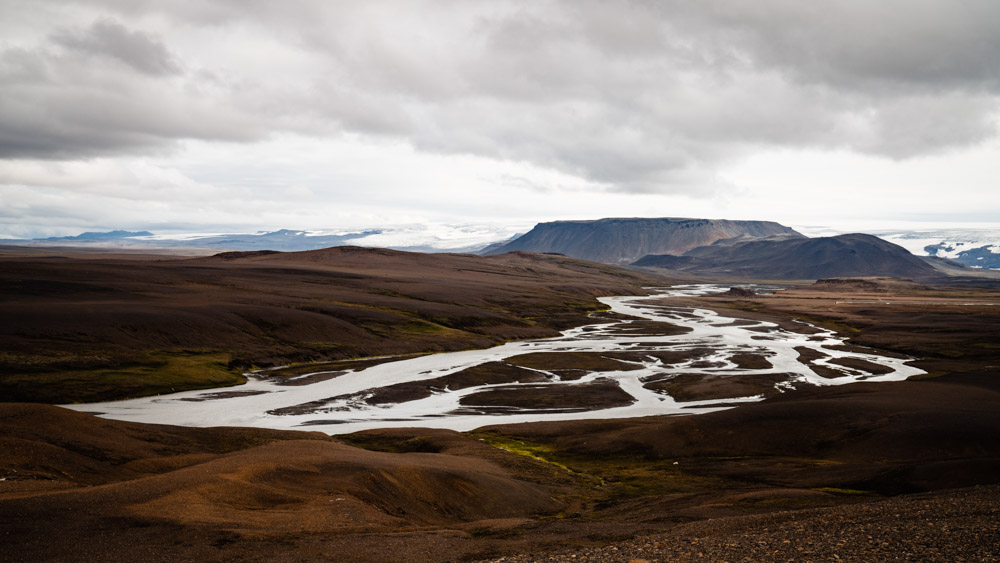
column 647, row 357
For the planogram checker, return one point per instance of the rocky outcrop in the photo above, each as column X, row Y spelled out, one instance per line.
column 741, row 292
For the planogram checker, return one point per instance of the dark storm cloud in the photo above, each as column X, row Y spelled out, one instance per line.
column 638, row 95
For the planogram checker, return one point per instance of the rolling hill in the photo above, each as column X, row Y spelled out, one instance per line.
column 852, row 255
column 112, row 327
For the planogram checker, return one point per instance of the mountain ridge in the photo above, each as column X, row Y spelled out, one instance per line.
column 849, row 255
column 624, row 240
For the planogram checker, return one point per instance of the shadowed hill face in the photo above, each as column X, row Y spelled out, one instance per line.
column 47, row 447
column 853, row 255
column 102, row 329
column 78, row 487
column 622, row 241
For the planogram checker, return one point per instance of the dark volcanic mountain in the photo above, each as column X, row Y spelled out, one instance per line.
column 621, row 241
column 797, row 259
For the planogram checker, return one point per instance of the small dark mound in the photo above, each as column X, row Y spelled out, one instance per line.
column 741, row 292
column 870, row 284
column 244, row 254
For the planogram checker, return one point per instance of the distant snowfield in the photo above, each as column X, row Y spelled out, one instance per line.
column 953, row 242
column 337, row 405
column 423, row 237
column 977, row 248
column 441, row 237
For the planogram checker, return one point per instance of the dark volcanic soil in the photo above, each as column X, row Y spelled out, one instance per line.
column 700, row 387
column 548, row 398
column 948, row 328
column 868, row 471
column 956, row 525
column 107, row 328
column 80, row 487
column 886, row 438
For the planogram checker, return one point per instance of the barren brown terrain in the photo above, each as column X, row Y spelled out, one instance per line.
column 949, row 329
column 866, row 471
column 499, row 281
column 96, row 327
column 78, row 486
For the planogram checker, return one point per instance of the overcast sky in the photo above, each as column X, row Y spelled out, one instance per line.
column 239, row 115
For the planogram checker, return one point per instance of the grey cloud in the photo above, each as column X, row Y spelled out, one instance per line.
column 109, row 38
column 635, row 94
column 695, row 84
column 927, row 44
column 66, row 105
column 912, row 125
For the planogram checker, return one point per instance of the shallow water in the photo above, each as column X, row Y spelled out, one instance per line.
column 338, row 405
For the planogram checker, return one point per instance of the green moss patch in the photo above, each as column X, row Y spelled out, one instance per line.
column 609, row 480
column 153, row 374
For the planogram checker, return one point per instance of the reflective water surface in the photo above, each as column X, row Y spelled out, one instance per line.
column 648, row 357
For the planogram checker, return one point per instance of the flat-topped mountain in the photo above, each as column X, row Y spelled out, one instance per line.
column 622, row 241
column 851, row 255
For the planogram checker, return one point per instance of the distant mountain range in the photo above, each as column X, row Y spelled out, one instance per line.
column 623, row 241
column 440, row 239
column 284, row 240
column 94, row 236
column 726, row 249
column 707, row 247
column 852, row 255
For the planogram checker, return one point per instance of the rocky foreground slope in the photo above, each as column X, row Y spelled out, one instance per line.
column 954, row 525
column 74, row 487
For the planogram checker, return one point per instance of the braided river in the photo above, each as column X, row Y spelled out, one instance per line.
column 644, row 357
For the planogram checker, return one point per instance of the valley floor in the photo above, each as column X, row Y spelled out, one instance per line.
column 866, row 471
column 643, row 357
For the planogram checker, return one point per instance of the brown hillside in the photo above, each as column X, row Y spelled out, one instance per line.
column 802, row 475
column 95, row 329
column 888, row 438
column 78, row 487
